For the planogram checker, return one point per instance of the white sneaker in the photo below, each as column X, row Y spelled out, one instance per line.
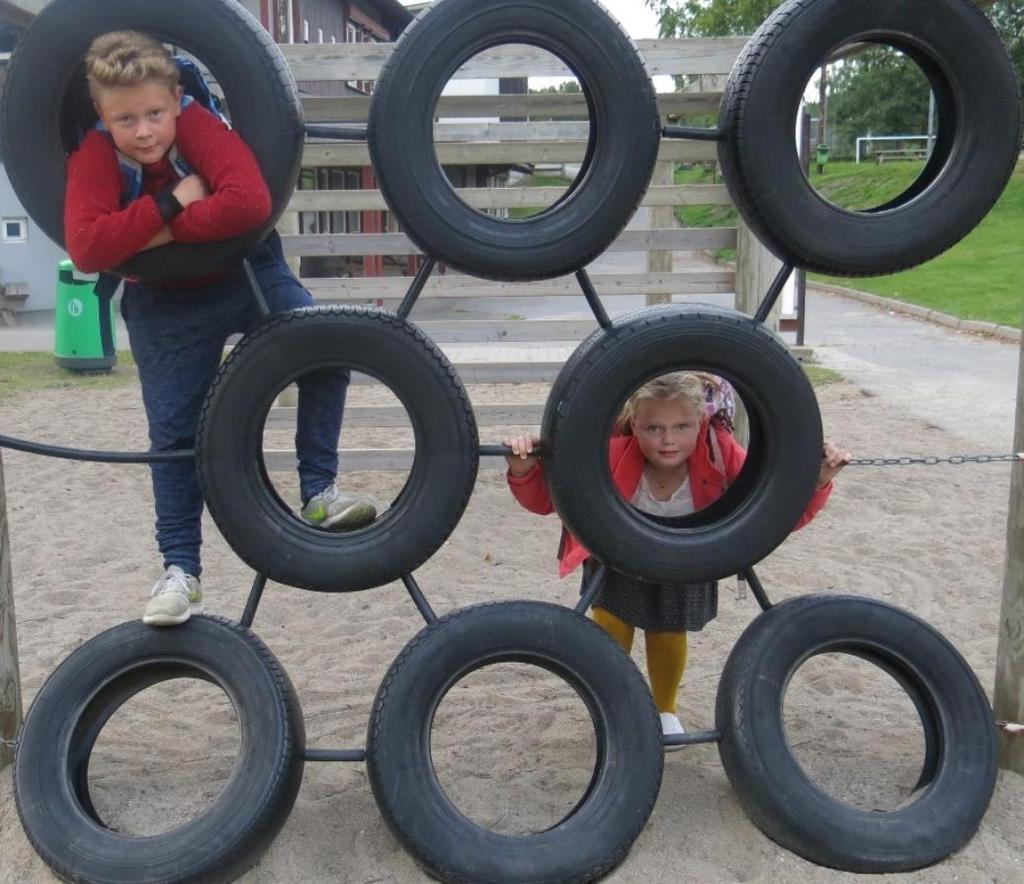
column 670, row 726
column 336, row 510
column 176, row 597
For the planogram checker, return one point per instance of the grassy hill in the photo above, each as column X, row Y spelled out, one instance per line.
column 979, row 278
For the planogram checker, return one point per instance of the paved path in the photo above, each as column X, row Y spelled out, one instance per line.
column 961, row 382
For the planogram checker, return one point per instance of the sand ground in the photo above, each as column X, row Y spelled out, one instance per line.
column 511, row 746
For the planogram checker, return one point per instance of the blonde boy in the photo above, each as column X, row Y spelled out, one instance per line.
column 160, row 168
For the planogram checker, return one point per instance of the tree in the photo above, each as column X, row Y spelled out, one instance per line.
column 712, row 18
column 881, row 91
column 566, row 87
column 725, row 18
column 1008, row 17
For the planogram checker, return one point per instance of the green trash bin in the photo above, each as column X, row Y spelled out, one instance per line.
column 821, row 156
column 84, row 323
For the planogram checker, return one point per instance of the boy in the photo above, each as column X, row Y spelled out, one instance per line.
column 162, row 168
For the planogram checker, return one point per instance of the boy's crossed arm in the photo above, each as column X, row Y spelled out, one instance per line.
column 227, row 197
column 191, row 189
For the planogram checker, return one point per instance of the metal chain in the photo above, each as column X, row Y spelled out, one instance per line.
column 932, row 461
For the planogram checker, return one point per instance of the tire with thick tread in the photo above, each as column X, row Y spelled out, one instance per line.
column 598, row 833
column 761, row 507
column 976, row 149
column 960, row 767
column 46, row 108
column 625, row 131
column 51, row 763
column 259, row 527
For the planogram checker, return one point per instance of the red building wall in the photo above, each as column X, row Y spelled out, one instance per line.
column 376, row 20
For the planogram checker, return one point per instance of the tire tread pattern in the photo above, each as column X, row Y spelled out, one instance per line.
column 732, row 116
column 266, row 817
column 615, row 856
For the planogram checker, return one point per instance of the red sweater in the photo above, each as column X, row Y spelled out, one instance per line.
column 100, row 235
column 707, row 484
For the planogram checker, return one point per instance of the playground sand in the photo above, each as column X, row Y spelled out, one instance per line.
column 512, row 747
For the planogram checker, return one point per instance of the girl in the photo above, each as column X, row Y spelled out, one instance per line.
column 672, row 453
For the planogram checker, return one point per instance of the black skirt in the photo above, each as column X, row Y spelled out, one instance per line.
column 655, row 606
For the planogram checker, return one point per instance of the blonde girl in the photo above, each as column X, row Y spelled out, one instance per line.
column 672, row 453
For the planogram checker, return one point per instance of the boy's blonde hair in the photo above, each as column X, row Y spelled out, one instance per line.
column 689, row 386
column 128, row 58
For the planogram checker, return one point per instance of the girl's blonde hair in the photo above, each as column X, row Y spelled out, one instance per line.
column 128, row 58
column 689, row 386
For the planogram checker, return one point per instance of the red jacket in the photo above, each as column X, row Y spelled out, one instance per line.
column 99, row 234
column 707, row 483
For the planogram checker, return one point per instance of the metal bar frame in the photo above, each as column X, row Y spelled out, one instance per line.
column 416, row 287
column 692, row 133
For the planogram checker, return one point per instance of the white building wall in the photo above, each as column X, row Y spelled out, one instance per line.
column 471, row 87
column 33, row 262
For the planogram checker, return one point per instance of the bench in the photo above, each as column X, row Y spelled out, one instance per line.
column 13, row 296
column 910, row 153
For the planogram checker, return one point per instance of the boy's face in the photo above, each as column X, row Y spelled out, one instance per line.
column 141, row 119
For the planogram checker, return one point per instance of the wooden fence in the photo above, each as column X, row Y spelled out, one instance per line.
column 554, row 132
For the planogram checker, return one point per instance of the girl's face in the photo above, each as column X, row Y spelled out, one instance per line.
column 666, row 430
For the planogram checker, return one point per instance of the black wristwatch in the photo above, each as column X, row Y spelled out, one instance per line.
column 168, row 203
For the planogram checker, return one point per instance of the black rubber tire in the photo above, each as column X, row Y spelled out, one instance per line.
column 624, row 135
column 974, row 155
column 46, row 106
column 597, row 834
column 260, row 528
column 764, row 503
column 52, row 760
column 788, row 807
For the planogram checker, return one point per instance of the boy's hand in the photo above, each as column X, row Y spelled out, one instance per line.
column 190, row 189
column 160, row 238
column 833, row 459
column 522, row 459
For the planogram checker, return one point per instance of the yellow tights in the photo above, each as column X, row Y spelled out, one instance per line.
column 666, row 656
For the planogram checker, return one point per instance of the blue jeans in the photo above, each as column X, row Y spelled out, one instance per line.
column 178, row 338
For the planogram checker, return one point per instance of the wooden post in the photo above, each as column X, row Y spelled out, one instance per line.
column 756, row 268
column 10, row 682
column 801, row 275
column 288, row 224
column 662, row 217
column 1009, row 691
column 823, row 106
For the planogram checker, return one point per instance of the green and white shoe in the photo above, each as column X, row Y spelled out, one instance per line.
column 335, row 510
column 176, row 597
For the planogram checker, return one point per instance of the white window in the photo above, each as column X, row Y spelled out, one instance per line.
column 319, row 35
column 305, row 30
column 15, row 229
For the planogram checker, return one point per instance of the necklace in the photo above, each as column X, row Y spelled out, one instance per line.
column 665, row 483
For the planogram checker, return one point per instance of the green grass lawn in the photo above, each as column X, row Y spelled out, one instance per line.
column 27, row 372
column 979, row 278
column 706, row 216
column 819, row 376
